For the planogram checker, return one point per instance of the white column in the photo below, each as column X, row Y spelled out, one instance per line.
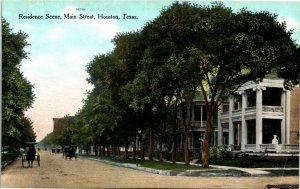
column 92, row 150
column 259, row 123
column 230, row 128
column 239, row 134
column 244, row 138
column 220, row 130
column 201, row 115
column 287, row 116
column 282, row 127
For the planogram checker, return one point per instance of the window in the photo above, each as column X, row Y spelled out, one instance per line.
column 225, row 108
column 197, row 113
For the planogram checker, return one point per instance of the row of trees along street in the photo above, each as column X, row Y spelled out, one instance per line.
column 17, row 94
column 154, row 74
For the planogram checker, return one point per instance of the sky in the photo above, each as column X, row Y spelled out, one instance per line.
column 60, row 49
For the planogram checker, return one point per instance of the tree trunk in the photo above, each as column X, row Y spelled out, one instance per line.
column 96, row 150
column 103, row 150
column 151, row 149
column 174, row 142
column 100, row 152
column 187, row 123
column 142, row 148
column 134, row 149
column 161, row 153
column 126, row 148
column 108, row 150
column 205, row 146
column 186, row 147
column 161, row 135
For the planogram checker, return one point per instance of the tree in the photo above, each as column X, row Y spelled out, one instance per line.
column 110, row 74
column 228, row 48
column 173, row 75
column 17, row 91
column 291, row 71
column 236, row 48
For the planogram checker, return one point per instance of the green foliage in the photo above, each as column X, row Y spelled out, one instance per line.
column 217, row 152
column 17, row 92
column 153, row 164
column 251, row 161
column 188, row 49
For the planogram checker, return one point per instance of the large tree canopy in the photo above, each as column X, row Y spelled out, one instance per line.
column 227, row 48
column 188, row 49
column 17, row 91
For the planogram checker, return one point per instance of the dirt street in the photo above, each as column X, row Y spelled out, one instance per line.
column 55, row 172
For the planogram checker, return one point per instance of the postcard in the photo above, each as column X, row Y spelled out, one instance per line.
column 150, row 94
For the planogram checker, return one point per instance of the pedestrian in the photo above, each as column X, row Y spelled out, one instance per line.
column 30, row 156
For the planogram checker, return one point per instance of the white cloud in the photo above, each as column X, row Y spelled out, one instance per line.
column 290, row 23
column 106, row 29
column 97, row 28
column 26, row 27
column 55, row 34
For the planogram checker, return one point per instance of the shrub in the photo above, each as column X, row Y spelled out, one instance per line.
column 217, row 152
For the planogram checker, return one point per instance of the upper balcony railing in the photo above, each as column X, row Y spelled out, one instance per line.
column 272, row 109
column 251, row 111
column 198, row 124
column 236, row 113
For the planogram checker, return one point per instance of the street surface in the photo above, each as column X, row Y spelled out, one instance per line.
column 56, row 172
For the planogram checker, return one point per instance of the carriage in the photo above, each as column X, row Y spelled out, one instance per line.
column 26, row 146
column 69, row 152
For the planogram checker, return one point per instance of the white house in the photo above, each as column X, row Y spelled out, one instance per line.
column 251, row 117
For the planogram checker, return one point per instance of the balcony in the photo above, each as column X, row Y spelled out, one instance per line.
column 272, row 112
column 198, row 124
column 250, row 147
column 276, row 112
column 224, row 117
column 280, row 148
column 236, row 115
column 290, row 148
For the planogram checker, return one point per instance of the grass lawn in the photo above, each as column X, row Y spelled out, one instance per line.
column 154, row 164
column 258, row 162
column 277, row 173
column 189, row 170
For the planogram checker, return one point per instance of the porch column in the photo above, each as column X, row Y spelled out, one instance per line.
column 287, row 116
column 244, row 127
column 201, row 116
column 283, row 121
column 220, row 130
column 230, row 127
column 258, row 131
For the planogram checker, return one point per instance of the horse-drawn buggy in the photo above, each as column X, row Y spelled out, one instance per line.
column 30, row 154
column 69, row 152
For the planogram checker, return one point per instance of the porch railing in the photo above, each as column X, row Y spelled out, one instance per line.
column 272, row 109
column 267, row 148
column 250, row 147
column 290, row 148
column 198, row 124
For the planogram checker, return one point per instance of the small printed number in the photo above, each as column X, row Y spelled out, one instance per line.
column 80, row 9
